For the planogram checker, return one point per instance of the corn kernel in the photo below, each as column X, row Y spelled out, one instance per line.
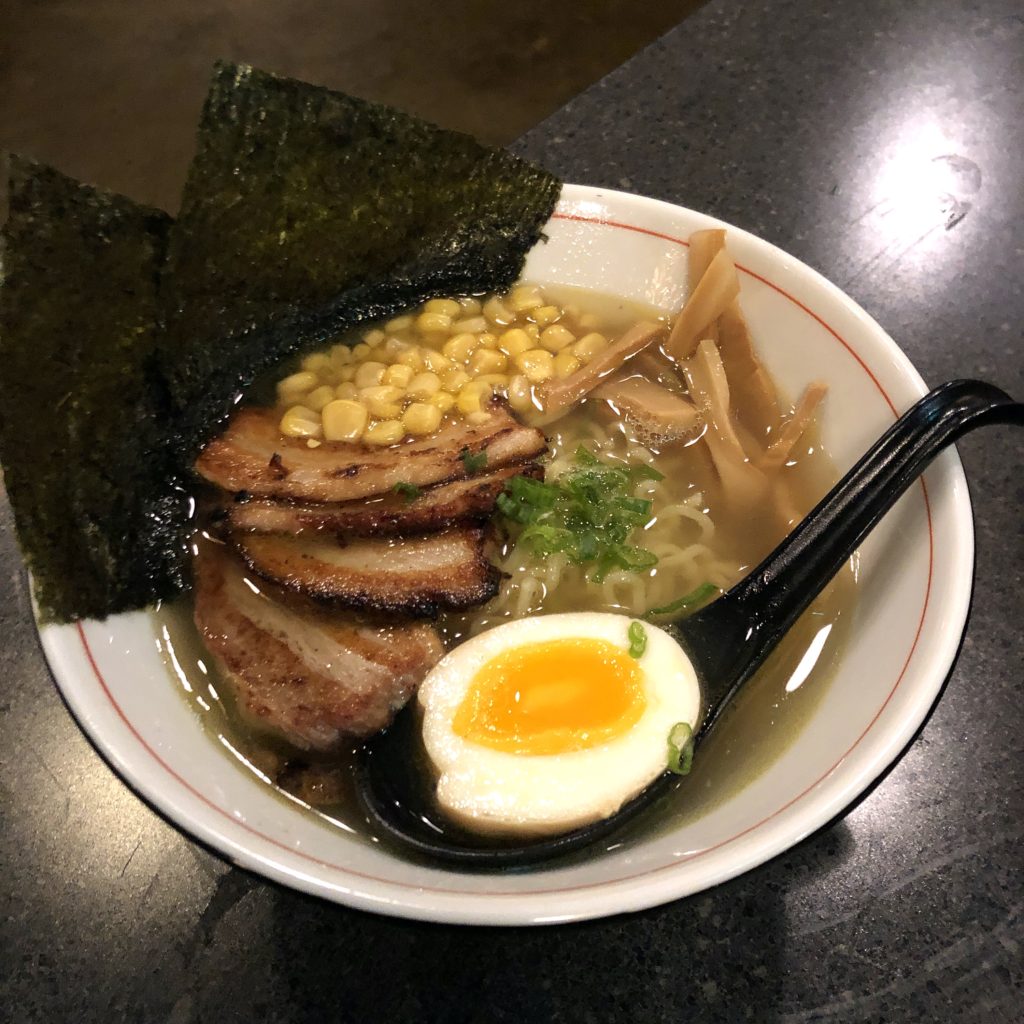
column 398, row 375
column 384, row 432
column 421, row 418
column 515, row 341
column 498, row 381
column 588, row 346
column 361, row 351
column 369, row 374
column 383, row 401
column 412, row 357
column 318, row 363
column 556, row 337
column 447, row 307
column 473, row 397
column 300, row 421
column 461, row 347
column 485, row 360
column 454, row 380
column 436, row 362
column 524, row 298
column 374, row 338
column 347, row 373
column 537, row 365
column 520, row 394
column 497, row 312
column 470, row 305
column 589, row 321
column 400, row 323
column 313, row 443
column 319, row 397
column 341, row 355
column 471, row 325
column 478, row 417
column 443, row 400
column 346, row 390
column 566, row 364
column 344, row 420
column 392, row 349
column 533, row 331
column 488, row 340
column 544, row 316
column 423, row 385
column 295, row 385
column 434, row 323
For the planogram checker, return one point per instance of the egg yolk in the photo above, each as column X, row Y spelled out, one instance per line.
column 552, row 698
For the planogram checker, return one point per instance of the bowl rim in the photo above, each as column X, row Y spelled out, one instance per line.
column 820, row 802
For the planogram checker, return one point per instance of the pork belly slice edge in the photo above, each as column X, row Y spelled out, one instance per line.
column 310, row 676
column 252, row 456
column 418, row 576
column 440, row 506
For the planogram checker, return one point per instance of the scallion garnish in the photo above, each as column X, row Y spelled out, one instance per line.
column 637, row 639
column 689, row 602
column 680, row 749
column 473, row 463
column 408, row 491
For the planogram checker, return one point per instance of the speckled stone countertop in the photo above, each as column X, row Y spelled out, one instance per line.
column 881, row 142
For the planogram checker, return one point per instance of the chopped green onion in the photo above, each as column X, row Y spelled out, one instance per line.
column 680, row 749
column 473, row 463
column 588, row 514
column 688, row 602
column 408, row 491
column 637, row 639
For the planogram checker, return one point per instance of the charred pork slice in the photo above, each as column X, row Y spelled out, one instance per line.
column 434, row 509
column 252, row 456
column 309, row 675
column 418, row 576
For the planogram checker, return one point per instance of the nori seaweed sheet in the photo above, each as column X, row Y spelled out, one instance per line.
column 83, row 446
column 126, row 339
column 307, row 212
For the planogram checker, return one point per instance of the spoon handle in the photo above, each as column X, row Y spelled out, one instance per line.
column 731, row 637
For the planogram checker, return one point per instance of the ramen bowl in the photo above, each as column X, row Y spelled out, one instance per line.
column 914, row 581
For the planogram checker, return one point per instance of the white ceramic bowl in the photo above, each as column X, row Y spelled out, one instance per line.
column 915, row 573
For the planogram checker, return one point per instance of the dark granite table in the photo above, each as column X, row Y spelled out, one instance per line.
column 881, row 142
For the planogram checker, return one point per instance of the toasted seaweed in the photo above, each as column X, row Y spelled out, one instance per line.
column 82, row 442
column 307, row 212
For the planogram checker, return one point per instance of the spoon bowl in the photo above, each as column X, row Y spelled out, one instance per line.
column 726, row 642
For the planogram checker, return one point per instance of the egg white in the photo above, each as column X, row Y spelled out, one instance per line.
column 497, row 792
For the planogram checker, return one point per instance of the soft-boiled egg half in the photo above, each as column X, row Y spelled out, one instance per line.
column 542, row 725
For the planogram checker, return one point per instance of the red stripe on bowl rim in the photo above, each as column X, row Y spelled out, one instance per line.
column 648, row 872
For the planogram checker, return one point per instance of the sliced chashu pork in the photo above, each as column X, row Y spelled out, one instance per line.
column 309, row 675
column 435, row 509
column 418, row 575
column 252, row 456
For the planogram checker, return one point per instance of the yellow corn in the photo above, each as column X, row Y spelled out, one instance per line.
column 520, row 394
column 566, row 364
column 515, row 341
column 524, row 298
column 400, row 323
column 537, row 366
column 361, row 351
column 461, row 347
column 589, row 321
column 341, row 355
column 556, row 337
column 485, row 360
column 383, row 401
column 588, row 346
column 473, row 397
column 470, row 305
column 443, row 400
column 347, row 373
column 447, row 307
column 421, row 418
column 498, row 381
column 374, row 338
column 411, row 357
column 544, row 316
column 319, row 397
column 300, row 421
column 454, row 380
column 369, row 374
column 344, row 420
column 347, row 390
column 533, row 331
column 384, row 432
column 423, row 385
column 295, row 385
column 318, row 363
column 471, row 324
column 392, row 348
column 399, row 375
column 434, row 323
column 436, row 362
column 478, row 417
column 497, row 312
column 488, row 340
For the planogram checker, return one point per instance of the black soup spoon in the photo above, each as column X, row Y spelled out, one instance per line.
column 726, row 642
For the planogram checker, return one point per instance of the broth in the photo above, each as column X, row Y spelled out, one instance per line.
column 698, row 535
